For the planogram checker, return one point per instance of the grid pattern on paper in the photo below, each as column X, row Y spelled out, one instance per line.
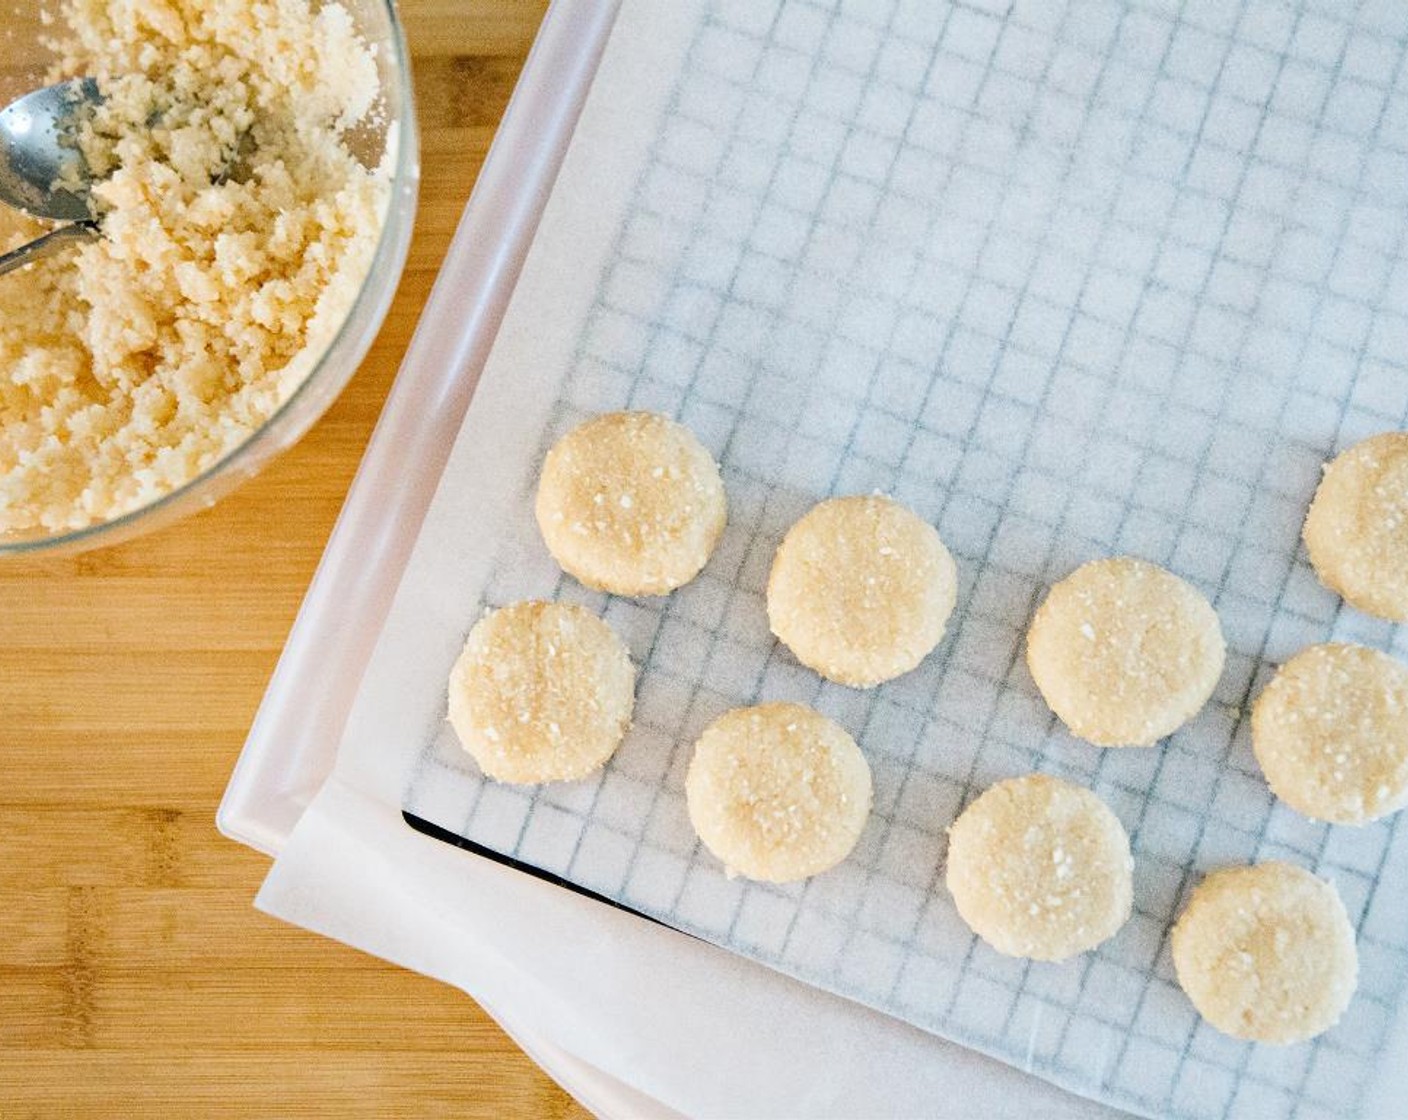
column 1068, row 280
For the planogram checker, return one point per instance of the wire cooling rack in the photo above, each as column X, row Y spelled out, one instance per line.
column 1068, row 280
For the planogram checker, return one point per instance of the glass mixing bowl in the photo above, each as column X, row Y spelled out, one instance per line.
column 21, row 69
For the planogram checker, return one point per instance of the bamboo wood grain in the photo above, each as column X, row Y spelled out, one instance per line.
column 137, row 978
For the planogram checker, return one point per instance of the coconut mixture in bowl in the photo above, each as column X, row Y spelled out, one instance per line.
column 238, row 225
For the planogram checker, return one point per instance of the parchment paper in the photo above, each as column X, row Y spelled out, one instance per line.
column 1067, row 280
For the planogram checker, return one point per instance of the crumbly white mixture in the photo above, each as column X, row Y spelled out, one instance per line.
column 237, row 229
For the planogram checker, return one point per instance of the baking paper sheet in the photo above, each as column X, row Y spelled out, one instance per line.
column 1067, row 280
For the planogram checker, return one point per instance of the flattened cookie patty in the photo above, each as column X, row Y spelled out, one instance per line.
column 1040, row 868
column 778, row 792
column 1266, row 953
column 631, row 503
column 861, row 590
column 1331, row 733
column 1125, row 652
column 542, row 692
column 1357, row 529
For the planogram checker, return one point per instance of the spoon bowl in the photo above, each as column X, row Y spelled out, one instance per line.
column 42, row 171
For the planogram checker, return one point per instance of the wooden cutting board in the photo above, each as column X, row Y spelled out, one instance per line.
column 137, row 979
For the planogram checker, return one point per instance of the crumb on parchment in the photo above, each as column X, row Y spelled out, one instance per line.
column 237, row 229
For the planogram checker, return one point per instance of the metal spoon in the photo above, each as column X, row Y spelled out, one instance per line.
column 42, row 171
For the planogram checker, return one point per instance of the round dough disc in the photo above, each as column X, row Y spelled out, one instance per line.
column 1040, row 868
column 861, row 590
column 777, row 792
column 631, row 503
column 1331, row 733
column 1125, row 652
column 1357, row 529
column 542, row 693
column 1266, row 953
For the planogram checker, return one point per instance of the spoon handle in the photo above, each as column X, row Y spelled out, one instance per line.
column 42, row 246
